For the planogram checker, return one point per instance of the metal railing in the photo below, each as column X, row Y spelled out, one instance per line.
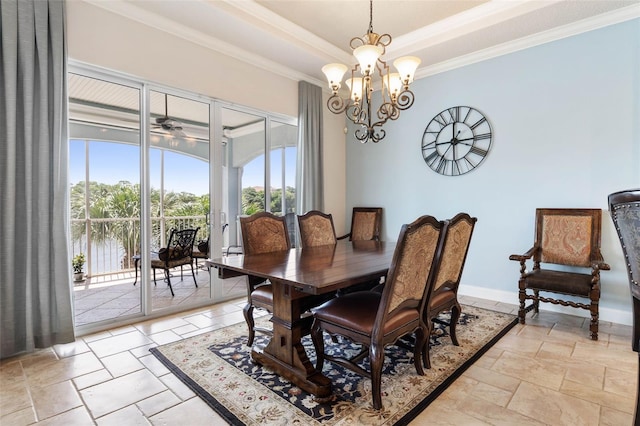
column 110, row 244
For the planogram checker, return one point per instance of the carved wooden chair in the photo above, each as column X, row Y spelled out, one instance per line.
column 178, row 252
column 570, row 238
column 261, row 233
column 448, row 275
column 365, row 224
column 624, row 207
column 316, row 229
column 376, row 319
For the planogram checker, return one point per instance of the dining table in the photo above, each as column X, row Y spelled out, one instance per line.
column 297, row 275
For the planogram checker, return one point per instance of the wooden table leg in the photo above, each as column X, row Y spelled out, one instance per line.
column 285, row 353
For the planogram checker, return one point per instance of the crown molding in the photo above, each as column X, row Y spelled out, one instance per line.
column 299, row 36
column 569, row 30
column 159, row 23
column 464, row 23
column 480, row 17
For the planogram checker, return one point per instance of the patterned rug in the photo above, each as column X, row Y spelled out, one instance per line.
column 217, row 367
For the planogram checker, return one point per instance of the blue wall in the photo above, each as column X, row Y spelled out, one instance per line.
column 566, row 133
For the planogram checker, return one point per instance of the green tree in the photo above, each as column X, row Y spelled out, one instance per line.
column 252, row 201
column 122, row 201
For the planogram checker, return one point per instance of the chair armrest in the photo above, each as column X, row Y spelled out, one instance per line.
column 344, row 236
column 163, row 254
column 597, row 262
column 523, row 257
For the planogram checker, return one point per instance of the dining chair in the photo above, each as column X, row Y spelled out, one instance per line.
column 624, row 207
column 316, row 229
column 262, row 232
column 178, row 252
column 444, row 296
column 365, row 224
column 569, row 238
column 376, row 319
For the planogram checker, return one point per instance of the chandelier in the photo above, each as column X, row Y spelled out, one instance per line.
column 374, row 72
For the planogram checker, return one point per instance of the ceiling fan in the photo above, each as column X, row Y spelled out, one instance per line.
column 171, row 125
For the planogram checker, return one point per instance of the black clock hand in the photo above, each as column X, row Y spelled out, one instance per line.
column 445, row 153
column 466, row 139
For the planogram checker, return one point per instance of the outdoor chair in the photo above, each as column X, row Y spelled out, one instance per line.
column 232, row 248
column 568, row 239
column 375, row 319
column 316, row 229
column 178, row 252
column 201, row 251
column 624, row 207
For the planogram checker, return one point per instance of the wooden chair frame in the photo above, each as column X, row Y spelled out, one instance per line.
column 316, row 228
column 357, row 211
column 445, row 289
column 624, row 207
column 260, row 292
column 395, row 315
column 562, row 282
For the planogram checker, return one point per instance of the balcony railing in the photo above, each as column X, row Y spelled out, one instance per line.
column 109, row 244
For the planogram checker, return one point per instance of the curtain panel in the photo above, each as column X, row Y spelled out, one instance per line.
column 35, row 274
column 310, row 189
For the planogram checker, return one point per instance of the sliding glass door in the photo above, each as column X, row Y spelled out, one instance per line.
column 258, row 154
column 178, row 196
column 148, row 161
column 105, row 197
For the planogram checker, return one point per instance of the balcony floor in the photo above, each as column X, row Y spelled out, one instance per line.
column 111, row 296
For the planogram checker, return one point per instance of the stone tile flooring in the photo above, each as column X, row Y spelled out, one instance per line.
column 547, row 372
column 112, row 296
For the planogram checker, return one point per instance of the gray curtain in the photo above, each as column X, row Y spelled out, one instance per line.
column 309, row 186
column 35, row 274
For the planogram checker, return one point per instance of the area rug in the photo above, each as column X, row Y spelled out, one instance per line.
column 217, row 367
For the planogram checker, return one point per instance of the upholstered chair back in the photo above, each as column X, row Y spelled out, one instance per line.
column 263, row 233
column 455, row 250
column 411, row 266
column 316, row 229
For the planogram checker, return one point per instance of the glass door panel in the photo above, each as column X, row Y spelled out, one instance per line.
column 105, row 197
column 243, row 183
column 283, row 174
column 179, row 195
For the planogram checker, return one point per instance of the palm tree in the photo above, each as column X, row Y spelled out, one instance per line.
column 121, row 202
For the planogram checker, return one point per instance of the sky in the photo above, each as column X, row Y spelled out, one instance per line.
column 113, row 162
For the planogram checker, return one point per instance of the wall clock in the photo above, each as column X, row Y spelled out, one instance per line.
column 456, row 141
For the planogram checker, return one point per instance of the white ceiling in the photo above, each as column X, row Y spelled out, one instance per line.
column 295, row 38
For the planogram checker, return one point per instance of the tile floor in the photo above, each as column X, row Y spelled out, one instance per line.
column 547, row 372
column 111, row 296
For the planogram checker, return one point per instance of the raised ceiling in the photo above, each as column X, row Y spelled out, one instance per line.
column 296, row 38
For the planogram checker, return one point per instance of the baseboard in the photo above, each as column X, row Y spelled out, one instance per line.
column 617, row 316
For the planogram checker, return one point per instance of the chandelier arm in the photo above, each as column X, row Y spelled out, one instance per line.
column 405, row 100
column 336, row 104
